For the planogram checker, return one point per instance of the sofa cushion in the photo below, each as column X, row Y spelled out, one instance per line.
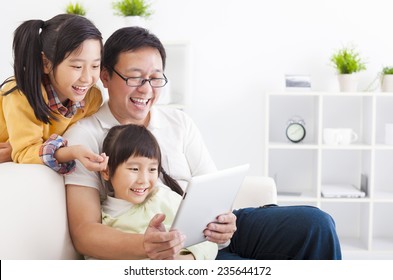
column 33, row 204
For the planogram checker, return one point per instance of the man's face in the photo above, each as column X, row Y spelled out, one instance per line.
column 132, row 104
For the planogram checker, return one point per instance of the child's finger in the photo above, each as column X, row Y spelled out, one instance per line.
column 95, row 158
column 103, row 158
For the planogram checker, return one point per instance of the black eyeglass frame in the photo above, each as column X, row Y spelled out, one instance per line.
column 143, row 81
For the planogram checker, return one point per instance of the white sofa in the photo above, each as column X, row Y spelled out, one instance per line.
column 33, row 203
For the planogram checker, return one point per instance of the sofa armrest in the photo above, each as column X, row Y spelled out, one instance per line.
column 34, row 224
column 256, row 191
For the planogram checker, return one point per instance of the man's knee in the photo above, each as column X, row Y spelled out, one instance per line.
column 316, row 217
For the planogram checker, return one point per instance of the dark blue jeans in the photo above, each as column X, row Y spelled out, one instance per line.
column 283, row 233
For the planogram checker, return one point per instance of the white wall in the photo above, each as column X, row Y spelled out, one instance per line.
column 240, row 50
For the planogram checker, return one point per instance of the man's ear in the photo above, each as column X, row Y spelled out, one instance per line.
column 105, row 174
column 105, row 77
column 47, row 64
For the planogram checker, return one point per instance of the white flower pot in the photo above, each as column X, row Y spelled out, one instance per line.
column 135, row 21
column 348, row 82
column 387, row 83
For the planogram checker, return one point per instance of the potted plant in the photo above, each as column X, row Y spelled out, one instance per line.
column 348, row 63
column 387, row 79
column 134, row 11
column 76, row 9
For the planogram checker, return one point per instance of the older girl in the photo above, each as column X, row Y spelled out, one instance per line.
column 56, row 65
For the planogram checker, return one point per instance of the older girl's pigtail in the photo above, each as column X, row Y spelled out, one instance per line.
column 28, row 66
column 172, row 183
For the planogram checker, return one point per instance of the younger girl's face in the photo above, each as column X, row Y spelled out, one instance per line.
column 134, row 179
column 76, row 74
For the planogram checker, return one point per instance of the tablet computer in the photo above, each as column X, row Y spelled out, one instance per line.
column 206, row 197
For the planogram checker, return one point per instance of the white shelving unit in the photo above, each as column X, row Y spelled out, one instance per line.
column 364, row 225
column 177, row 92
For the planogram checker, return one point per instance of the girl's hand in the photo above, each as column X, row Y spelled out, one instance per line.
column 5, row 152
column 160, row 244
column 90, row 160
column 221, row 231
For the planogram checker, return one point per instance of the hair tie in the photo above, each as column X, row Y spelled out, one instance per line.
column 41, row 27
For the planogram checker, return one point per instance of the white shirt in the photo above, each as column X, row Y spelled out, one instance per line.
column 184, row 153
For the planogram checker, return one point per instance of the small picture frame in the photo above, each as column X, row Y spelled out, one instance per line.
column 297, row 82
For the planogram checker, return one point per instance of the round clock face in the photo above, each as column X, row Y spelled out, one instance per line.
column 296, row 132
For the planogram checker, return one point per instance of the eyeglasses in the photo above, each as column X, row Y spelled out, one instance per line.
column 138, row 81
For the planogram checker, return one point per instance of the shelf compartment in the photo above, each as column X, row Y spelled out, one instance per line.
column 353, row 111
column 294, row 171
column 384, row 105
column 352, row 223
column 382, row 227
column 346, row 167
column 284, row 107
column 177, row 69
column 383, row 179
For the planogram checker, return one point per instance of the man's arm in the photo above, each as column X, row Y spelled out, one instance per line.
column 91, row 238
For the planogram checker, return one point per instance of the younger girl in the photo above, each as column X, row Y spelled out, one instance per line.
column 56, row 65
column 134, row 167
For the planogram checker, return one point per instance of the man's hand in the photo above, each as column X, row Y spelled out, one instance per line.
column 221, row 231
column 5, row 152
column 160, row 244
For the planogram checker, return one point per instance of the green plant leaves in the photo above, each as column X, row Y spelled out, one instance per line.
column 347, row 61
column 76, row 9
column 388, row 70
column 132, row 8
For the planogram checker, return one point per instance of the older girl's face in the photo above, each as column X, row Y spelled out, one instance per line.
column 134, row 179
column 77, row 73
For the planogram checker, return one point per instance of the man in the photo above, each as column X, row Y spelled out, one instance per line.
column 133, row 72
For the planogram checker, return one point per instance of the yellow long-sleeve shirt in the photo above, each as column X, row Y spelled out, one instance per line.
column 25, row 133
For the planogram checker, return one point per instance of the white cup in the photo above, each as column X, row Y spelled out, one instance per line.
column 389, row 134
column 339, row 136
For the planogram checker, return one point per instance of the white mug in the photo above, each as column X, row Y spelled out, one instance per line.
column 339, row 136
column 389, row 134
